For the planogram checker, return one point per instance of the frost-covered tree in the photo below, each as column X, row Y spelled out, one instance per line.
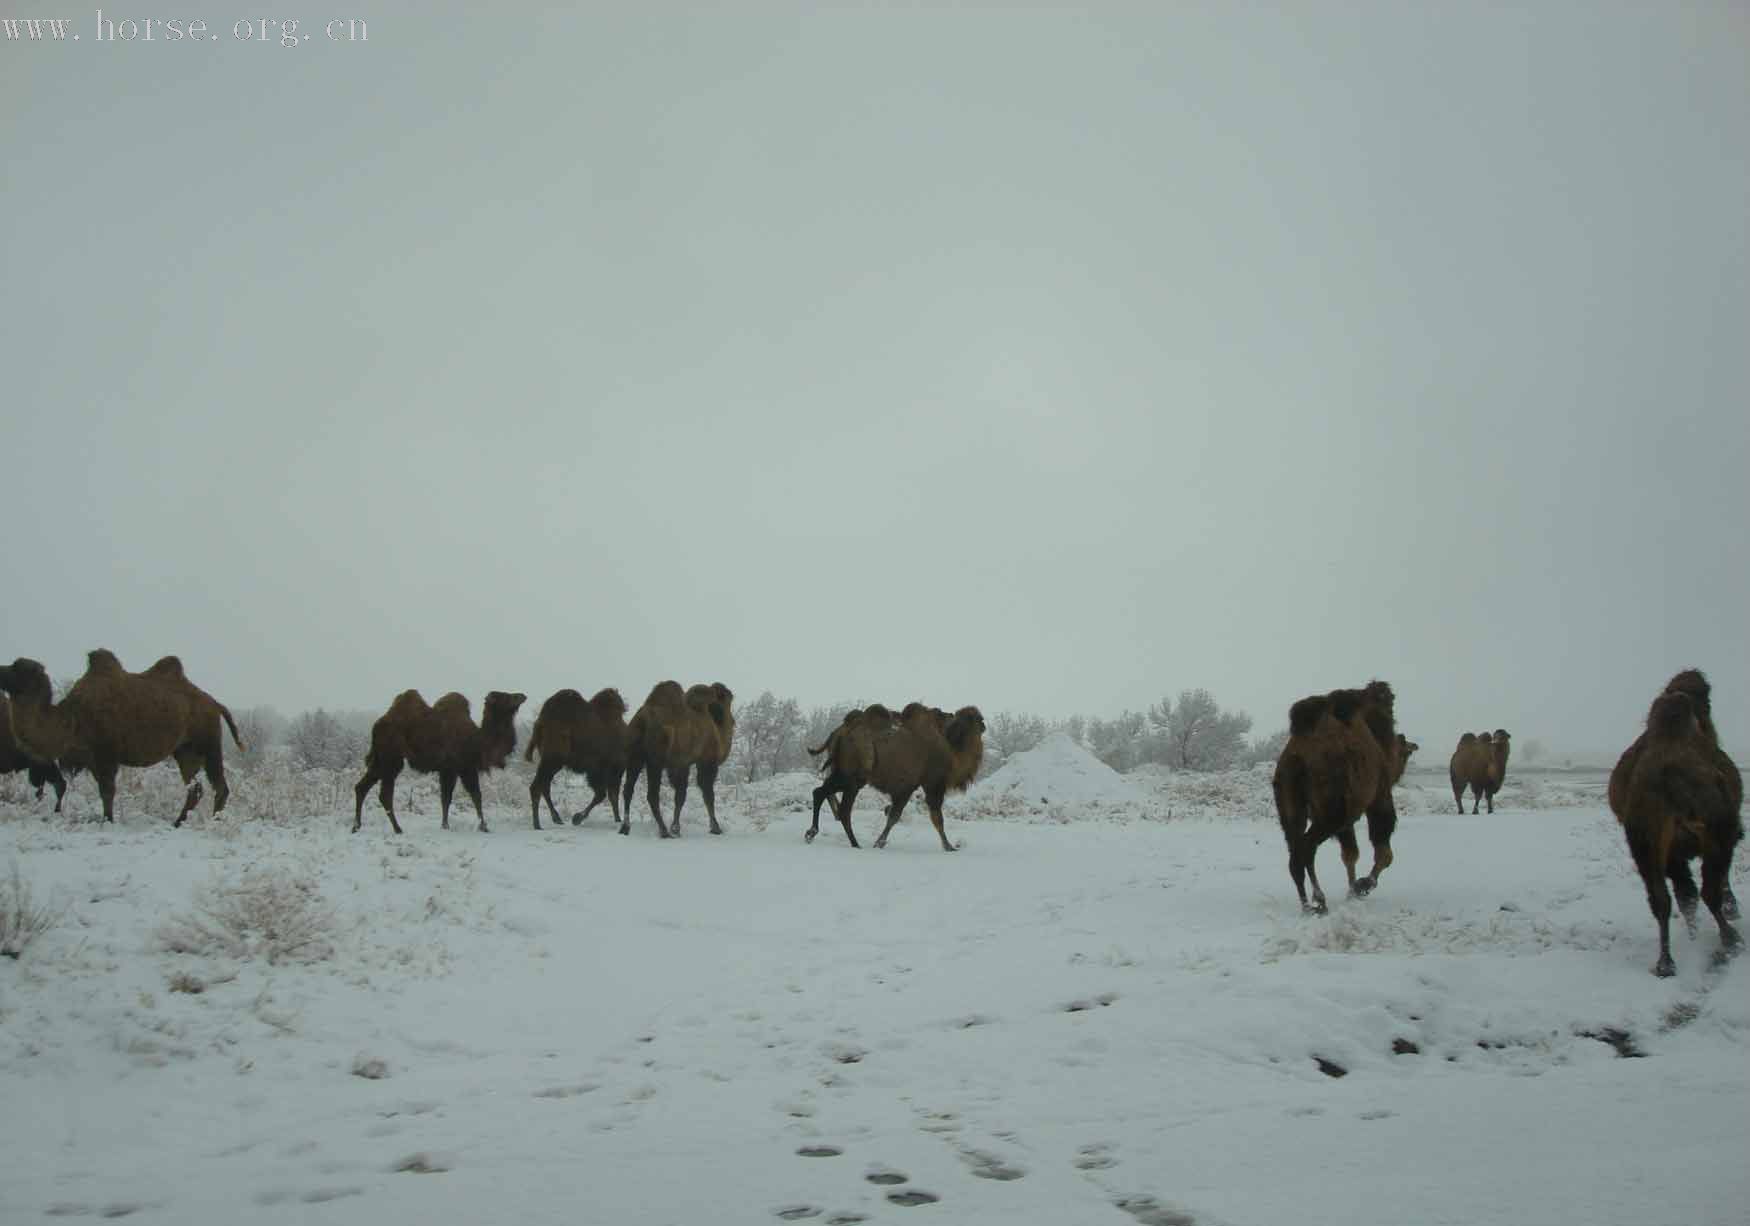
column 768, row 736
column 260, row 728
column 319, row 739
column 1120, row 743
column 1197, row 734
column 1007, row 734
column 1269, row 748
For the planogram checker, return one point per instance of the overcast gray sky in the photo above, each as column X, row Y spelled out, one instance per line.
column 1044, row 360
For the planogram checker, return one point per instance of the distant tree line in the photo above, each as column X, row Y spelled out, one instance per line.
column 772, row 735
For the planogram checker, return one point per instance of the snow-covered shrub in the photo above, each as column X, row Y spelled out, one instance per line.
column 268, row 913
column 22, row 918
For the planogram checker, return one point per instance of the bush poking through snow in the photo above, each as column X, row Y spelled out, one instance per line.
column 22, row 920
column 269, row 914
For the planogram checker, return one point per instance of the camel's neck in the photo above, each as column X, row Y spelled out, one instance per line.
column 496, row 745
column 45, row 731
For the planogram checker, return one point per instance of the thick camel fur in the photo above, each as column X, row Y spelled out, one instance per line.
column 1479, row 763
column 924, row 748
column 1337, row 765
column 14, row 759
column 584, row 736
column 1678, row 801
column 441, row 737
column 676, row 731
column 1678, row 796
column 113, row 718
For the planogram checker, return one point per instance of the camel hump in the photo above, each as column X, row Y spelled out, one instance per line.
column 1304, row 715
column 608, row 703
column 169, row 666
column 453, row 702
column 1469, row 738
column 564, row 704
column 666, row 694
column 102, row 660
column 1673, row 715
column 1344, row 703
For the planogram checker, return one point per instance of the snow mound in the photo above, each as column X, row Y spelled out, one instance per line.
column 1056, row 778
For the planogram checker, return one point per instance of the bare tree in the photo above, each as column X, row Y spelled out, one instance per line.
column 1198, row 734
column 259, row 728
column 318, row 739
column 1007, row 734
column 768, row 736
column 1269, row 748
column 1120, row 743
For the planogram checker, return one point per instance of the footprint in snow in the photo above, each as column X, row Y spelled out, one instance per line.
column 1093, row 1002
column 886, row 1176
column 988, row 1166
column 1095, row 1157
column 1150, row 1212
column 912, row 1197
column 820, row 1151
column 795, row 1213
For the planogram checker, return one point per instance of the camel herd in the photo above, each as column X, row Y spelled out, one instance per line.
column 1675, row 792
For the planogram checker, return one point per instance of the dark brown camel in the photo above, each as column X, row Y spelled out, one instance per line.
column 924, row 749
column 588, row 737
column 113, row 718
column 673, row 732
column 14, row 759
column 441, row 737
column 1480, row 763
column 1678, row 796
column 1337, row 765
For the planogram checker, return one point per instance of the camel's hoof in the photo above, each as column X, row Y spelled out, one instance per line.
column 1314, row 908
column 577, row 819
column 950, row 847
column 716, row 830
column 808, row 836
column 1361, row 889
column 1729, row 908
column 625, row 830
column 1664, row 968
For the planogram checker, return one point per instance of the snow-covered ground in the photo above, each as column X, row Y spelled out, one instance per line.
column 1106, row 1008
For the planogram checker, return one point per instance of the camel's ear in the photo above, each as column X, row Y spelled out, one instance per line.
column 724, row 692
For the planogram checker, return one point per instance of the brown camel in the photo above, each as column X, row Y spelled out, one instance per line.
column 1401, row 761
column 850, row 760
column 588, row 737
column 14, row 759
column 441, row 737
column 924, row 749
column 113, row 718
column 1677, row 800
column 1691, row 682
column 673, row 732
column 1479, row 762
column 1337, row 765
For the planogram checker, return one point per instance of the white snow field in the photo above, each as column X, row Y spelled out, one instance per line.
column 1117, row 1020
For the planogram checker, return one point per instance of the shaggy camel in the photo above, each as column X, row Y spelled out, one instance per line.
column 1479, row 762
column 1401, row 760
column 441, row 737
column 14, row 759
column 672, row 732
column 588, row 737
column 1335, row 767
column 113, row 718
column 924, row 749
column 1677, row 800
column 1691, row 682
column 850, row 759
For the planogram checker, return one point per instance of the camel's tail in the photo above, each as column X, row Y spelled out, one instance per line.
column 232, row 725
column 534, row 737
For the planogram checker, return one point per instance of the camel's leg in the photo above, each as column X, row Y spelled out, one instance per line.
column 188, row 762
column 822, row 795
column 59, row 782
column 1715, row 869
column 1293, row 830
column 653, row 795
column 1476, row 800
column 613, row 792
column 846, row 800
column 1382, row 819
column 542, row 785
column 386, row 792
column 1683, row 890
column 634, row 765
column 1458, row 794
column 1351, row 853
column 1309, row 850
column 471, row 781
column 359, row 791
column 600, row 795
column 1728, row 908
column 1490, row 793
column 215, row 767
column 894, row 809
column 1650, row 861
column 446, row 790
column 677, row 779
column 708, row 789
column 934, row 799
column 103, row 770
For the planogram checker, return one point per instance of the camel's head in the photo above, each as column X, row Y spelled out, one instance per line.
column 965, row 724
column 608, row 704
column 26, row 679
column 498, row 724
